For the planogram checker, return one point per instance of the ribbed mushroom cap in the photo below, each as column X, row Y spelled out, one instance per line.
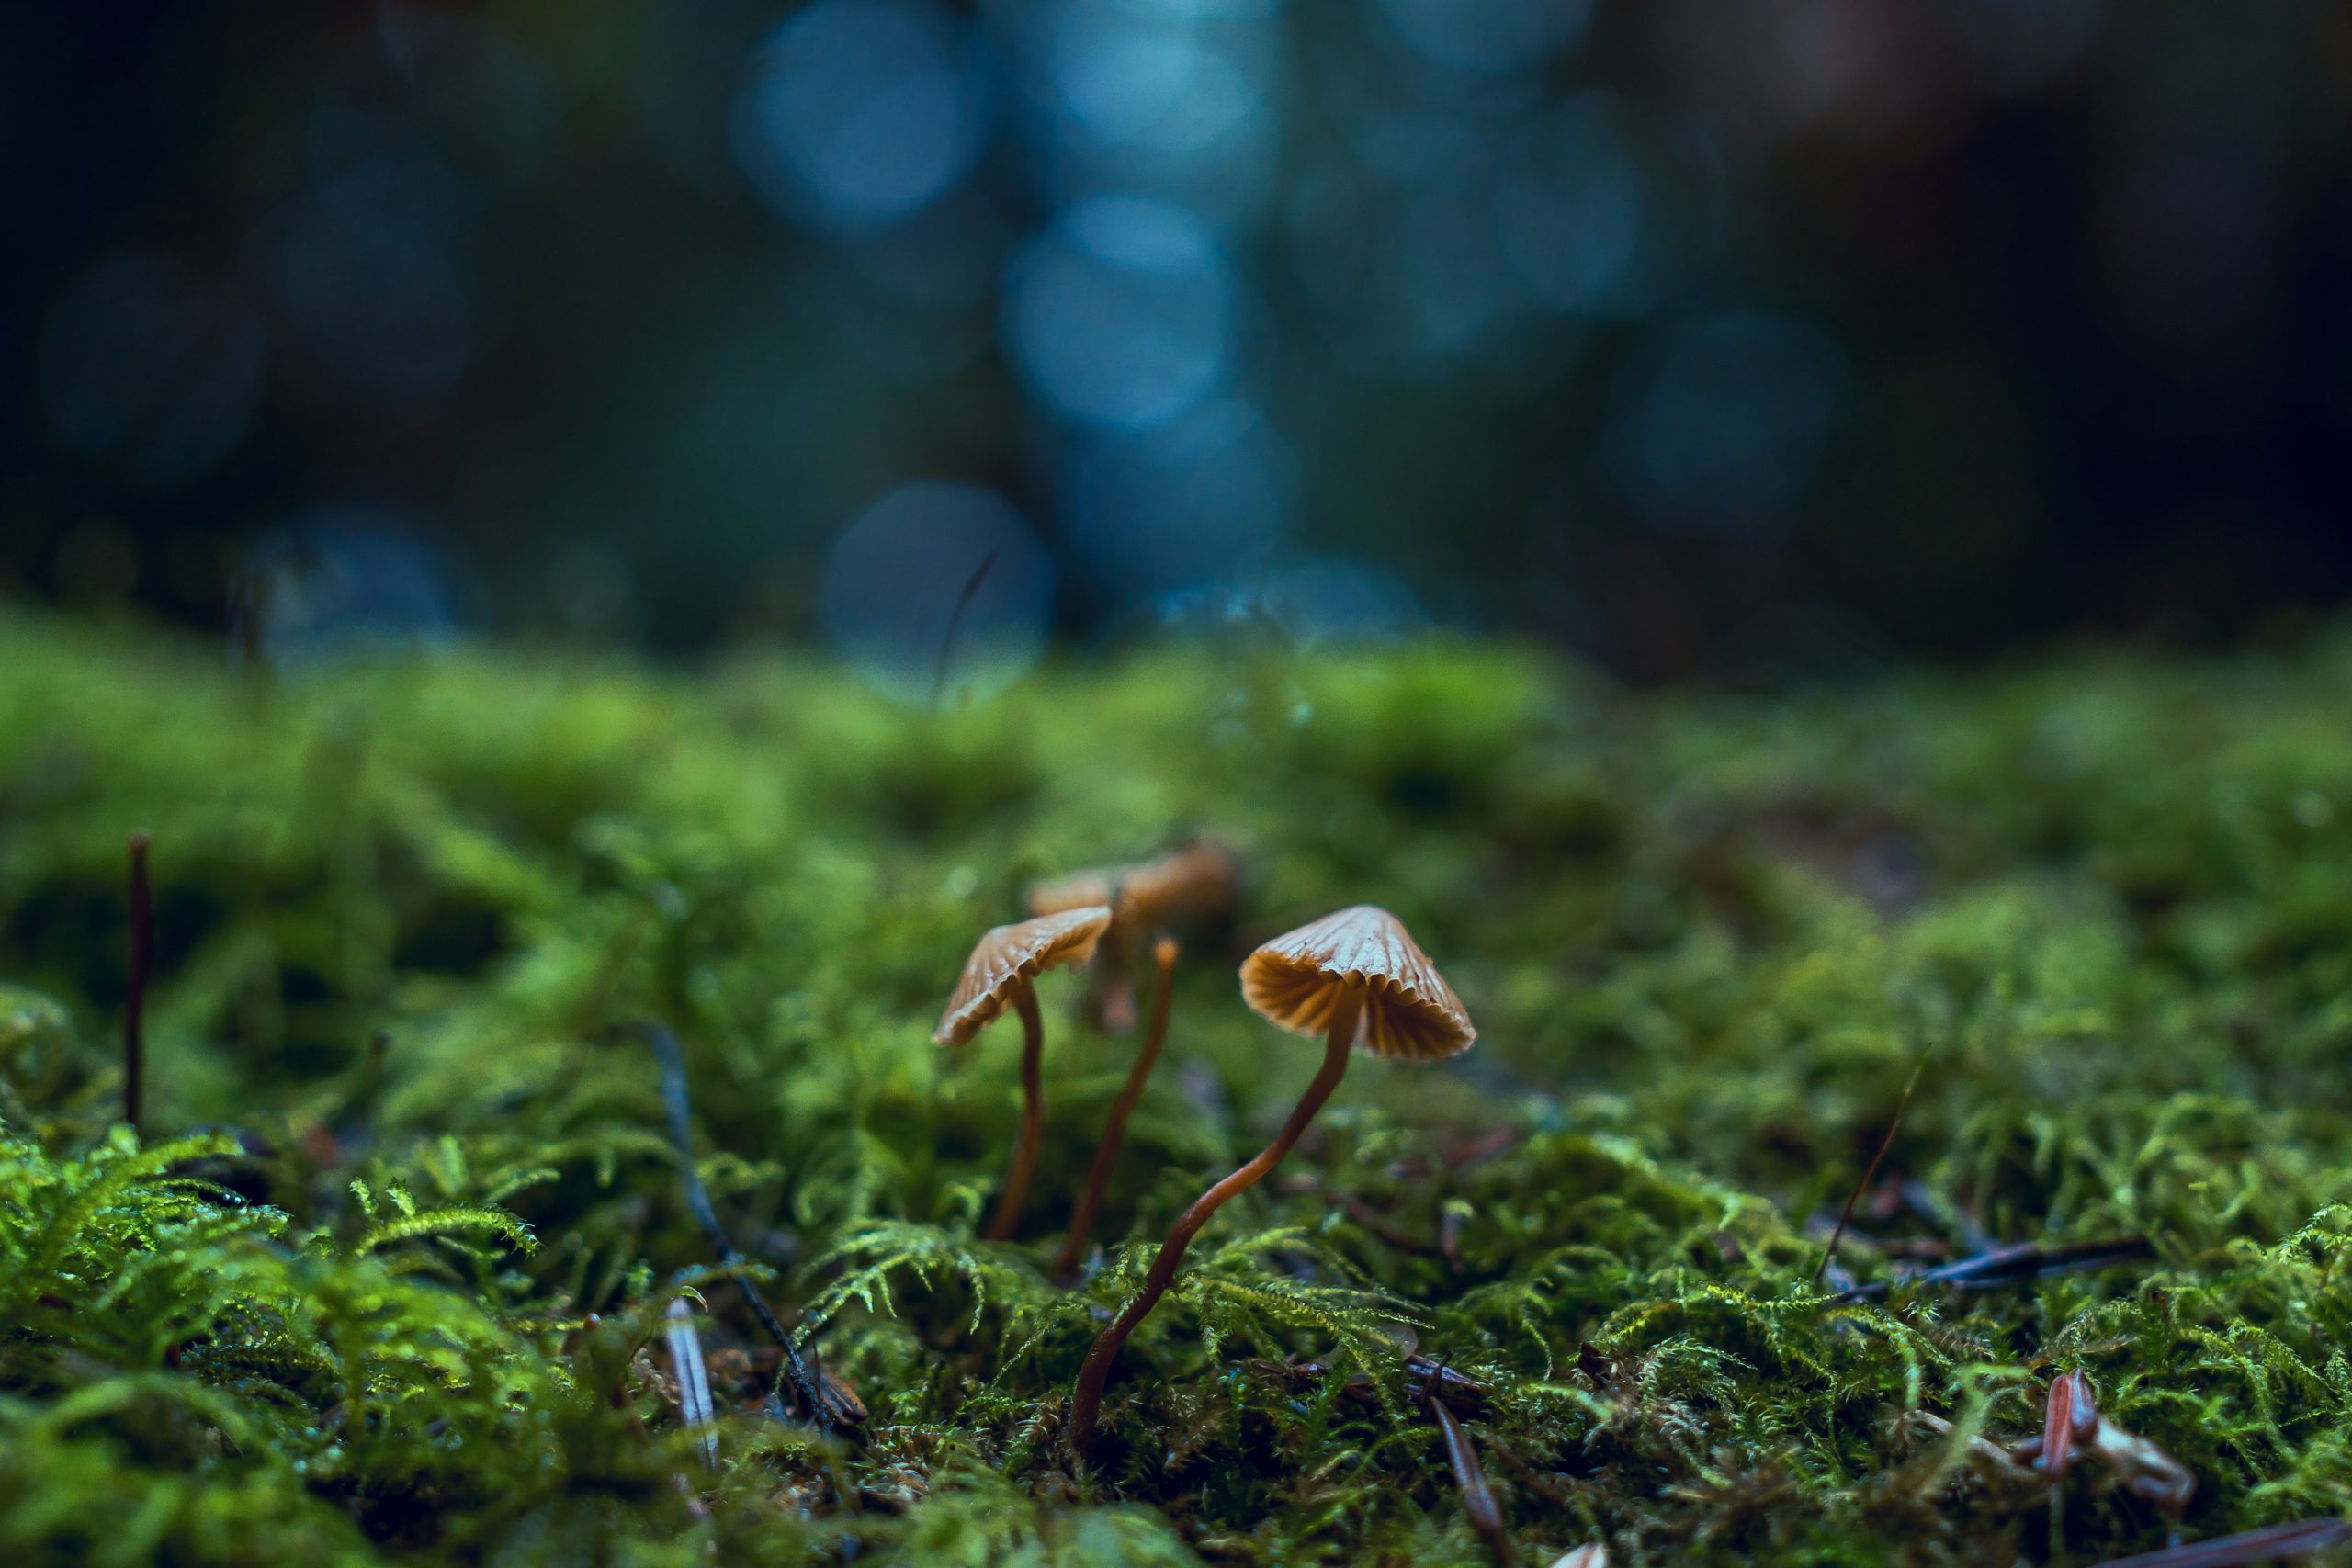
column 1409, row 1013
column 1008, row 955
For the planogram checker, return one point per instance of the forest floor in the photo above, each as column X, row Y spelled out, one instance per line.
column 383, row 1276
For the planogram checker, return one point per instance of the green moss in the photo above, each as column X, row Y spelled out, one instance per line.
column 353, row 1305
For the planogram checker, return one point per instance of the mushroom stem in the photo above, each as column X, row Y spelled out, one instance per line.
column 1114, row 1131
column 1033, row 1119
column 1086, row 1404
column 1113, row 993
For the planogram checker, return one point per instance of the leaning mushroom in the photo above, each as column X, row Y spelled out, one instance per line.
column 1000, row 974
column 1355, row 978
column 1193, row 883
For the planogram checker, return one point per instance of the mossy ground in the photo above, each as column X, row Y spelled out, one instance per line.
column 336, row 1308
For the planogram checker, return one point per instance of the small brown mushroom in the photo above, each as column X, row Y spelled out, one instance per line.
column 1080, row 890
column 1000, row 974
column 1358, row 979
column 1114, row 1130
column 1194, row 881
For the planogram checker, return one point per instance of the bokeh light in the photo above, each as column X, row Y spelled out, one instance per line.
column 1487, row 35
column 939, row 594
column 1568, row 206
column 1302, row 601
column 859, row 112
column 1168, row 100
column 338, row 583
column 1339, row 599
column 1578, row 313
column 1191, row 501
column 1124, row 312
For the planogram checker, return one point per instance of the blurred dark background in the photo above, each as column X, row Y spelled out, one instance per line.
column 1712, row 338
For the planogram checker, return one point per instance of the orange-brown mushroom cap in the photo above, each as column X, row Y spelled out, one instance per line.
column 1409, row 1013
column 1080, row 890
column 1195, row 879
column 1008, row 956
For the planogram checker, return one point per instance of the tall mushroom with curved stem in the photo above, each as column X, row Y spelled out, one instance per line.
column 1357, row 978
column 998, row 974
column 1114, row 1129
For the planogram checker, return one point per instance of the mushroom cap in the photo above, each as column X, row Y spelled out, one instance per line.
column 1196, row 879
column 1078, row 890
column 1409, row 1013
column 1008, row 956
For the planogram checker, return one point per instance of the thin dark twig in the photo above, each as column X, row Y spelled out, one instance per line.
column 1847, row 1213
column 2265, row 1545
column 2008, row 1265
column 2031, row 1261
column 678, row 1102
column 1478, row 1497
column 970, row 590
column 134, row 1003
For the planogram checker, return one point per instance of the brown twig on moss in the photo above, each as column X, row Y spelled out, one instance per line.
column 134, row 1000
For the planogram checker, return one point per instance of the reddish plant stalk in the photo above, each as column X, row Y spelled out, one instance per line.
column 1114, row 1131
column 1033, row 1119
column 1846, row 1215
column 1086, row 1402
column 134, row 1001
column 2072, row 1412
